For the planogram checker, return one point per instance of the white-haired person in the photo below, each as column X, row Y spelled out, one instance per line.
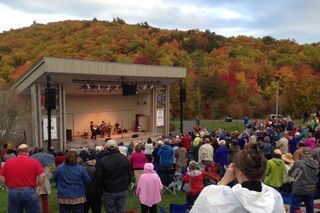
column 195, row 180
column 221, row 156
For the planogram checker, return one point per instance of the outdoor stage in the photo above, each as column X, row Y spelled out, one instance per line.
column 126, row 138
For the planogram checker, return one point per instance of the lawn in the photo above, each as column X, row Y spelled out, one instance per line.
column 132, row 202
column 215, row 124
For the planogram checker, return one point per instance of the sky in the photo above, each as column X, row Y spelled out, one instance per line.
column 297, row 20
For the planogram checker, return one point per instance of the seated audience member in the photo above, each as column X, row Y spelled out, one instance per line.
column 149, row 189
column 249, row 195
column 194, row 178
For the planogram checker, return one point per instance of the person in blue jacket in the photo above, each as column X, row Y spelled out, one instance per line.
column 71, row 179
column 165, row 154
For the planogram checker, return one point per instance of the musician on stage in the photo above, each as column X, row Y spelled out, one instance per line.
column 103, row 128
column 93, row 130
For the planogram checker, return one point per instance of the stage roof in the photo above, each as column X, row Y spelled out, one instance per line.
column 74, row 72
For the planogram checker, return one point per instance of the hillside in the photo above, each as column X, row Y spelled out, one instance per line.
column 226, row 76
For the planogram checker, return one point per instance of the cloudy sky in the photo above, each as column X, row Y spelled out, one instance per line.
column 282, row 19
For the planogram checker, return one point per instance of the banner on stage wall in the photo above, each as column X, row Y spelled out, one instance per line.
column 160, row 117
column 53, row 128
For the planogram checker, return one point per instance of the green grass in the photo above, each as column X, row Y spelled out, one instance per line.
column 229, row 126
column 132, row 202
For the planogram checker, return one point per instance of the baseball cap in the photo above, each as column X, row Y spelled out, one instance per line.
column 111, row 144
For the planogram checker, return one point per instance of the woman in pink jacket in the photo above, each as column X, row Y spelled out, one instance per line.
column 149, row 189
column 138, row 158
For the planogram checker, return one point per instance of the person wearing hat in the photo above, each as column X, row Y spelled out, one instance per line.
column 304, row 173
column 275, row 170
column 287, row 180
column 113, row 176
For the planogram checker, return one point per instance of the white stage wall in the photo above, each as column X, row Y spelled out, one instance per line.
column 109, row 108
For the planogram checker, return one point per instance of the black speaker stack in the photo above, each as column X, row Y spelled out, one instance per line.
column 50, row 99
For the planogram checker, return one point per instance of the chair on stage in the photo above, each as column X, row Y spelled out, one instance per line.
column 167, row 176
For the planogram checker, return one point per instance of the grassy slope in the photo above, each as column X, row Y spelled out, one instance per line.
column 229, row 126
column 132, row 202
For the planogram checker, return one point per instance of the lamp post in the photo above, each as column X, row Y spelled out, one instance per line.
column 277, row 77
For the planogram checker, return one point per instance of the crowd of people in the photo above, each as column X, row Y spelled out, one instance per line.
column 256, row 168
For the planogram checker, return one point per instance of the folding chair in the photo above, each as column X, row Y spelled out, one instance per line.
column 211, row 174
column 135, row 180
column 167, row 176
column 176, row 208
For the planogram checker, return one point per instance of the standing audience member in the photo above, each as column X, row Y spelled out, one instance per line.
column 287, row 180
column 310, row 141
column 275, row 170
column 249, row 195
column 59, row 159
column 166, row 154
column 138, row 158
column 267, row 148
column 3, row 151
column 282, row 144
column 93, row 194
column 294, row 142
column 155, row 155
column 234, row 149
column 298, row 155
column 123, row 149
column 205, row 155
column 10, row 154
column 221, row 156
column 181, row 156
column 113, row 176
column 71, row 180
column 47, row 162
column 148, row 149
column 186, row 141
column 22, row 175
column 149, row 189
column 304, row 173
column 195, row 179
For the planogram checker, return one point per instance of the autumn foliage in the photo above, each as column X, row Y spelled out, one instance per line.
column 225, row 76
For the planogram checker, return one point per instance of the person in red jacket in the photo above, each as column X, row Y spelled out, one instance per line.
column 59, row 159
column 194, row 178
column 186, row 141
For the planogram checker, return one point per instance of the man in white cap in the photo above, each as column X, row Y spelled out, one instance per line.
column 22, row 176
column 113, row 175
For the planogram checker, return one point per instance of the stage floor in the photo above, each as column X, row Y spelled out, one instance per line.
column 126, row 138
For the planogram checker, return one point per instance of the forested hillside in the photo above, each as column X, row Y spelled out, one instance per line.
column 226, row 76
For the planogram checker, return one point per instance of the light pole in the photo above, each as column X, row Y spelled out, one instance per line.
column 277, row 77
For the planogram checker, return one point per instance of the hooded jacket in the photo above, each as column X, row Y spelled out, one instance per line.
column 196, row 181
column 304, row 173
column 166, row 154
column 223, row 199
column 274, row 173
column 149, row 186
